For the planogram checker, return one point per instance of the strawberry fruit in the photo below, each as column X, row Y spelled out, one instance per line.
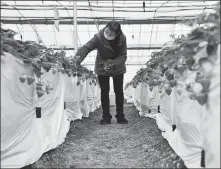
column 180, row 69
column 37, row 73
column 40, row 93
column 30, row 80
column 169, row 76
column 210, row 48
column 38, row 88
column 22, row 78
column 168, row 91
column 189, row 62
column 172, row 83
column 46, row 66
column 205, row 83
column 78, row 83
column 151, row 89
column 201, row 98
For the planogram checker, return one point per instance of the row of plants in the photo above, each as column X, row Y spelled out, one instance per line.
column 42, row 60
column 191, row 57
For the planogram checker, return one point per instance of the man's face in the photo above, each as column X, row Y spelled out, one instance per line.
column 109, row 34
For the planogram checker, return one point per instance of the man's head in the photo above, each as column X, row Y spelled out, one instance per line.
column 112, row 30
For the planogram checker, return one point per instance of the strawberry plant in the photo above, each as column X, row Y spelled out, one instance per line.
column 195, row 53
column 41, row 58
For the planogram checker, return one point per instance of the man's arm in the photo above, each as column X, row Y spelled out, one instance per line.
column 86, row 49
column 122, row 54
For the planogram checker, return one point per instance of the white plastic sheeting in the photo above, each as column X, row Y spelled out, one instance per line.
column 211, row 119
column 129, row 94
column 193, row 133
column 145, row 100
column 24, row 138
column 188, row 127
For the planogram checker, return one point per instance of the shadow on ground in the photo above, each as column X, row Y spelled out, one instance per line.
column 138, row 144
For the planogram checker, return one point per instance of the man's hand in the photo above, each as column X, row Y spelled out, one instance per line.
column 106, row 68
column 75, row 61
column 108, row 65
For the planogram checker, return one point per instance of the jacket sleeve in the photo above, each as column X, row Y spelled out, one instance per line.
column 86, row 49
column 122, row 54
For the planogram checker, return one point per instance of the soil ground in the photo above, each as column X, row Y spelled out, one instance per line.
column 138, row 144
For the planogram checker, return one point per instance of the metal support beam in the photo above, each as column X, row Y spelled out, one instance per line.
column 129, row 47
column 89, row 22
column 75, row 26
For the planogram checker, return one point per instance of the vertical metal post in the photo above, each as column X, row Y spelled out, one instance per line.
column 75, row 26
column 113, row 8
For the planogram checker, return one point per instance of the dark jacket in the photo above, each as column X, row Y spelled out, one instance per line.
column 105, row 52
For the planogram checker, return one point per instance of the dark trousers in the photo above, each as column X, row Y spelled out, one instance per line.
column 104, row 82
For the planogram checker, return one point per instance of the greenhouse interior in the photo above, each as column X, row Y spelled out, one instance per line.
column 110, row 84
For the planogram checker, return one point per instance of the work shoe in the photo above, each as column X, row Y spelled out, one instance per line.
column 122, row 121
column 103, row 122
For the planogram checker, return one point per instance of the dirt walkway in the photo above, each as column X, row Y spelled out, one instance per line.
column 88, row 144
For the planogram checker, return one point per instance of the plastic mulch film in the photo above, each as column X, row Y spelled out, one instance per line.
column 30, row 125
column 211, row 119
